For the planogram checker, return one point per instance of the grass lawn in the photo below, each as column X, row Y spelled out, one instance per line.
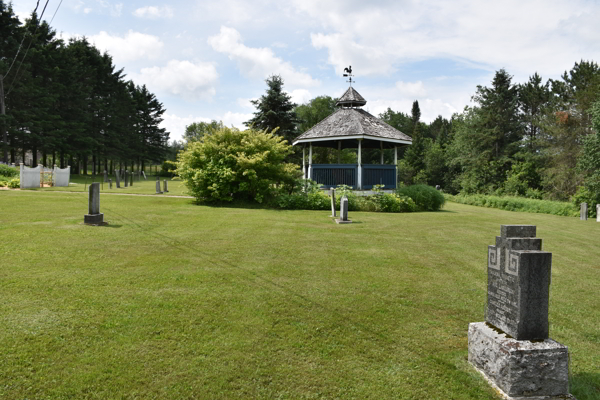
column 178, row 301
column 79, row 183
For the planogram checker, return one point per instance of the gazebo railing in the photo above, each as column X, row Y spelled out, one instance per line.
column 378, row 174
column 332, row 175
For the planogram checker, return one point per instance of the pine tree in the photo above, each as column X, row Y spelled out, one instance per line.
column 275, row 110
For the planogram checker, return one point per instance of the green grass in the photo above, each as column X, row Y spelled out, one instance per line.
column 178, row 301
column 80, row 184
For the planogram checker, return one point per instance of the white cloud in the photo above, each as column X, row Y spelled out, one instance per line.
column 133, row 46
column 414, row 89
column 376, row 37
column 191, row 81
column 300, row 96
column 176, row 125
column 257, row 63
column 153, row 12
column 245, row 103
column 236, row 119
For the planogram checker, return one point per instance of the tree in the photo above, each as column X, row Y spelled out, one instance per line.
column 415, row 154
column 534, row 99
column 197, row 130
column 275, row 110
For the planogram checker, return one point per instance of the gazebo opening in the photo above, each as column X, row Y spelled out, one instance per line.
column 352, row 127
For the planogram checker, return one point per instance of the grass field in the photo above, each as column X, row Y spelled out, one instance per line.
column 177, row 301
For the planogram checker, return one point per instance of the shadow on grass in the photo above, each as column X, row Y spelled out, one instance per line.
column 585, row 385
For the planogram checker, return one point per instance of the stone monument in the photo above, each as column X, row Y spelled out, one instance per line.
column 332, row 194
column 131, row 179
column 95, row 217
column 105, row 176
column 583, row 212
column 165, row 186
column 117, row 179
column 512, row 348
column 343, row 212
column 110, row 183
column 126, row 178
column 597, row 212
column 158, row 186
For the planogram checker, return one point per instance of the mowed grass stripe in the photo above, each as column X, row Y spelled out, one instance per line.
column 181, row 301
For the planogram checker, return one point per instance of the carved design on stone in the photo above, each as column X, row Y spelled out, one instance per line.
column 512, row 266
column 493, row 261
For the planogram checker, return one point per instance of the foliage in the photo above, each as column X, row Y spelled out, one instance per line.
column 197, row 130
column 14, row 183
column 8, row 171
column 236, row 165
column 426, row 198
column 275, row 110
column 585, row 195
column 306, row 195
column 511, row 203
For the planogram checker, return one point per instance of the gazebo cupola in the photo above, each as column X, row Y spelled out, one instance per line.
column 352, row 127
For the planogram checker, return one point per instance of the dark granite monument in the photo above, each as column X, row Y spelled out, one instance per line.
column 512, row 348
column 126, row 178
column 117, row 179
column 94, row 217
column 110, row 183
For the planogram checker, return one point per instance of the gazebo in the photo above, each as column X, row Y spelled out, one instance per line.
column 352, row 127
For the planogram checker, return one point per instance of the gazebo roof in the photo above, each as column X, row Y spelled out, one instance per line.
column 350, row 124
column 351, row 98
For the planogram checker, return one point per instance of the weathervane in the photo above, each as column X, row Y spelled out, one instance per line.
column 349, row 74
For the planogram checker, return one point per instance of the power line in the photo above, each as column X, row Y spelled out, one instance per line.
column 55, row 12
column 30, row 42
column 20, row 45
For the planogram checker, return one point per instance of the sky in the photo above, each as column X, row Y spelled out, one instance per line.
column 206, row 59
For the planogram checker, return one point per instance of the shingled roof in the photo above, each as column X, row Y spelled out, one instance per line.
column 351, row 99
column 350, row 124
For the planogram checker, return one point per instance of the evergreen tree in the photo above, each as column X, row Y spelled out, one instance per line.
column 534, row 99
column 415, row 154
column 275, row 110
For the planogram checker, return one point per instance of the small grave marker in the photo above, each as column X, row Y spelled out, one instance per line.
column 165, row 186
column 94, row 217
column 343, row 212
column 158, row 186
column 583, row 212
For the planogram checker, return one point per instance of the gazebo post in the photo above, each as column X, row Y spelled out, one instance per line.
column 304, row 161
column 381, row 146
column 359, row 177
column 310, row 161
column 396, row 163
column 339, row 151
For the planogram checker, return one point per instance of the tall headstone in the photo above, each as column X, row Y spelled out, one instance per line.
column 332, row 194
column 583, row 212
column 126, row 178
column 105, row 176
column 512, row 348
column 165, row 186
column 117, row 179
column 343, row 212
column 131, row 178
column 94, row 216
column 158, row 186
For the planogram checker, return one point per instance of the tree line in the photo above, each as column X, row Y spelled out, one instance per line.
column 536, row 139
column 68, row 102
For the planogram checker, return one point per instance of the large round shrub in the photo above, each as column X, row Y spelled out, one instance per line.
column 230, row 164
column 426, row 198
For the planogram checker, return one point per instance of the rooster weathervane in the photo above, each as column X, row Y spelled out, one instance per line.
column 348, row 73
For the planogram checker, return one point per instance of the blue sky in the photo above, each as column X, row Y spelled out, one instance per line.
column 207, row 59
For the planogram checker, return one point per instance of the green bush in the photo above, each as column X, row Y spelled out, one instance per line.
column 14, row 183
column 236, row 165
column 3, row 183
column 8, row 171
column 585, row 195
column 426, row 198
column 511, row 203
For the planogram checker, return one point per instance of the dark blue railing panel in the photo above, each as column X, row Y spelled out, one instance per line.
column 332, row 175
column 378, row 174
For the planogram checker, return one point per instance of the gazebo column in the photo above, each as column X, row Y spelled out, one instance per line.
column 304, row 161
column 359, row 177
column 396, row 163
column 381, row 146
column 339, row 151
column 310, row 161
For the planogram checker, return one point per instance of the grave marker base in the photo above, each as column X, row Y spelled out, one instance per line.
column 520, row 369
column 94, row 219
column 339, row 221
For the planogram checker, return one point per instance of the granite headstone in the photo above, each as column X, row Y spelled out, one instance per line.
column 117, row 179
column 94, row 217
column 165, row 186
column 583, row 212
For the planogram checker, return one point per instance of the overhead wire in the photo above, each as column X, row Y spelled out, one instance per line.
column 21, row 44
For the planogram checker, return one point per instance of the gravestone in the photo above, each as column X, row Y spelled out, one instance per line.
column 105, row 176
column 94, row 217
column 165, row 186
column 117, row 179
column 597, row 212
column 332, row 193
column 343, row 212
column 126, row 178
column 158, row 187
column 143, row 173
column 110, row 183
column 583, row 212
column 131, row 179
column 512, row 348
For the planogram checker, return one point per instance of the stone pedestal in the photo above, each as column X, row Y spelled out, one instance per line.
column 343, row 212
column 94, row 217
column 521, row 369
column 158, row 187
